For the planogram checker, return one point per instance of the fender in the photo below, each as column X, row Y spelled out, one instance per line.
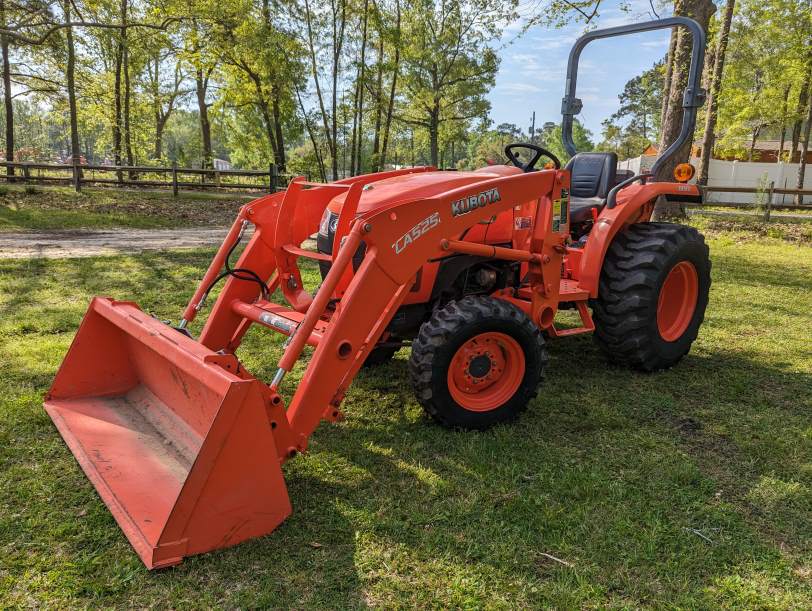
column 635, row 204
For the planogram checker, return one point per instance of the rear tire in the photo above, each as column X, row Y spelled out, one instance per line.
column 652, row 295
column 477, row 362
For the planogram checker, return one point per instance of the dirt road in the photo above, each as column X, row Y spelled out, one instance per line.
column 81, row 243
column 86, row 243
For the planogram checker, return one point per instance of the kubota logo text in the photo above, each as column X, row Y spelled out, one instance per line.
column 468, row 204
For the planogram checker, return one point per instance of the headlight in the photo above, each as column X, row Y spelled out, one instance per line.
column 324, row 224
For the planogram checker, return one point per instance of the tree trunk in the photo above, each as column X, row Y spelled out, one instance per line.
column 344, row 121
column 125, row 62
column 269, row 127
column 376, row 141
column 783, row 137
column 331, row 147
column 117, row 107
column 358, row 161
column 70, row 78
column 128, row 145
column 311, row 135
column 7, row 97
column 281, row 161
column 672, row 47
column 160, row 124
column 265, row 111
column 157, row 110
column 201, row 85
column 160, row 114
column 392, row 90
column 354, row 129
column 753, row 141
column 799, row 109
column 338, row 43
column 277, row 138
column 709, row 137
column 434, row 133
column 701, row 11
column 799, row 199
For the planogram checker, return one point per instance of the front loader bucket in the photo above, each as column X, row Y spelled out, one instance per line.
column 177, row 444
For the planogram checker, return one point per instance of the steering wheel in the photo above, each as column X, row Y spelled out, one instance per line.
column 538, row 154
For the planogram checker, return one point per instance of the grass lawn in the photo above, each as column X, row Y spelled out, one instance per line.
column 689, row 488
column 39, row 208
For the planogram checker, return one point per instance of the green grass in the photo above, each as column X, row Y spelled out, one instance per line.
column 612, row 471
column 35, row 208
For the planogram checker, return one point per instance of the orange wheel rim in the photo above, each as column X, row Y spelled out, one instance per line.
column 486, row 371
column 677, row 301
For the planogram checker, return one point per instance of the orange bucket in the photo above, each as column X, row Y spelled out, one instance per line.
column 176, row 443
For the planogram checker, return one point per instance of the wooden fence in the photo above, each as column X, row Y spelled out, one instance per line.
column 173, row 177
column 271, row 180
column 767, row 193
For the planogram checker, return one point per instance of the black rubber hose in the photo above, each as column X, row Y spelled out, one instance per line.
column 238, row 273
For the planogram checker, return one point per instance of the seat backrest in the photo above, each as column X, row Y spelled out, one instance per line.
column 592, row 174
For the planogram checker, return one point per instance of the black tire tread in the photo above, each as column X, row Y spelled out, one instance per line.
column 448, row 321
column 628, row 287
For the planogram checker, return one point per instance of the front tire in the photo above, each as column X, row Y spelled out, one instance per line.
column 477, row 362
column 652, row 295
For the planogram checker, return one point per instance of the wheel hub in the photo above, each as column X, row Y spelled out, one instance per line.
column 677, row 301
column 480, row 366
column 486, row 371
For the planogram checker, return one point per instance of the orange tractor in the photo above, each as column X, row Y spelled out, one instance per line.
column 186, row 447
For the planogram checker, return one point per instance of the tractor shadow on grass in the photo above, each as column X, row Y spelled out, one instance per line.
column 610, row 469
column 607, row 471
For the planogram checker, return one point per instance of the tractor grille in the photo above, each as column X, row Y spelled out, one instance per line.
column 325, row 239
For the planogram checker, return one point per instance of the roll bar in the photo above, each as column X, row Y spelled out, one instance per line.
column 692, row 99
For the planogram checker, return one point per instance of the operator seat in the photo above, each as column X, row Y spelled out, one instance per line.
column 592, row 176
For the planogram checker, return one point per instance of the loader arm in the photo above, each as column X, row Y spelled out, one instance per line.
column 399, row 239
column 387, row 272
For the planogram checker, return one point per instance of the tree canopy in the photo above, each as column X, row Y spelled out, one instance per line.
column 341, row 87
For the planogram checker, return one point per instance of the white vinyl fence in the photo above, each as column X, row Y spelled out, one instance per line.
column 738, row 174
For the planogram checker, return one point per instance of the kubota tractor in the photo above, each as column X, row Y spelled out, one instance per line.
column 185, row 446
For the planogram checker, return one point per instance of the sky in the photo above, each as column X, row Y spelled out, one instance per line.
column 531, row 75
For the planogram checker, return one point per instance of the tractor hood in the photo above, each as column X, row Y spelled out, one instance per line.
column 420, row 184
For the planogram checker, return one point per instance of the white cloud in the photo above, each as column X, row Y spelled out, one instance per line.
column 517, row 88
column 523, row 57
column 655, row 44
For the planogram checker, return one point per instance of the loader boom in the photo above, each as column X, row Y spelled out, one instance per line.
column 183, row 444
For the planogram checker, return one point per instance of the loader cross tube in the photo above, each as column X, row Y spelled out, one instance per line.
column 301, row 335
